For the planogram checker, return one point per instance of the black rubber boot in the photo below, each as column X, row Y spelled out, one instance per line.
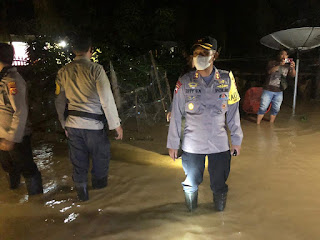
column 220, row 201
column 99, row 183
column 82, row 192
column 191, row 200
column 34, row 184
column 14, row 180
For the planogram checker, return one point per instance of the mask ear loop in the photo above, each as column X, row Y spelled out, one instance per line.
column 216, row 54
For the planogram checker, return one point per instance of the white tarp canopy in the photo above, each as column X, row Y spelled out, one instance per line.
column 295, row 38
column 298, row 39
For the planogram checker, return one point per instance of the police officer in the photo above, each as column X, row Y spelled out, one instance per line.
column 209, row 100
column 15, row 143
column 84, row 86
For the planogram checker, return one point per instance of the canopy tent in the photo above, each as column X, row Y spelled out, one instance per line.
column 298, row 39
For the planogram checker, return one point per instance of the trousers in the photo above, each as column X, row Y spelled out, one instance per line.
column 218, row 167
column 83, row 145
column 20, row 159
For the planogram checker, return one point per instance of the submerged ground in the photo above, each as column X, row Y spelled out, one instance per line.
column 274, row 190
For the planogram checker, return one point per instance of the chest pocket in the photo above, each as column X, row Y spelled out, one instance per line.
column 220, row 105
column 194, row 106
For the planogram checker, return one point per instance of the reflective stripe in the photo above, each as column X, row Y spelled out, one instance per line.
column 233, row 92
column 204, row 46
column 58, row 89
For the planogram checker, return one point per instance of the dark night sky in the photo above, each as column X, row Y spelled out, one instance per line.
column 238, row 25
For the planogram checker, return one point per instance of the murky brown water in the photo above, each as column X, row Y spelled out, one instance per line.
column 274, row 193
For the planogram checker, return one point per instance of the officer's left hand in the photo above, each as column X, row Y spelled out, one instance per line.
column 119, row 131
column 237, row 148
column 6, row 145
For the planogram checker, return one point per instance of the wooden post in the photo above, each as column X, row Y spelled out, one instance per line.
column 158, row 80
column 168, row 87
column 153, row 90
column 115, row 87
column 136, row 108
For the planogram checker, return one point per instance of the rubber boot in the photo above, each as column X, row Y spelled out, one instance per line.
column 220, row 201
column 14, row 180
column 82, row 192
column 34, row 184
column 191, row 200
column 99, row 183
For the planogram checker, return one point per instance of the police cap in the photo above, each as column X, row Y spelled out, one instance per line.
column 207, row 43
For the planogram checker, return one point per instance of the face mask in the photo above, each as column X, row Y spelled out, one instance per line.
column 201, row 62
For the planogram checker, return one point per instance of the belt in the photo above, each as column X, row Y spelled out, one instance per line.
column 99, row 117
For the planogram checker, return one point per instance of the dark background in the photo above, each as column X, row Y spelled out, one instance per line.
column 237, row 25
column 126, row 31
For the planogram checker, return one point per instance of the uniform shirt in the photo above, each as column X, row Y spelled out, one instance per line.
column 85, row 86
column 13, row 107
column 208, row 110
column 274, row 79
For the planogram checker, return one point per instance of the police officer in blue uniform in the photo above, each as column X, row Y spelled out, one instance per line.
column 209, row 101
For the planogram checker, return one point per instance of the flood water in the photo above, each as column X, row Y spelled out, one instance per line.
column 274, row 192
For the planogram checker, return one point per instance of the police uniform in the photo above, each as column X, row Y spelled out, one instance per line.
column 208, row 109
column 14, row 127
column 84, row 86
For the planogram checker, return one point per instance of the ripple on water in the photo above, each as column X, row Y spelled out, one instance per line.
column 43, row 156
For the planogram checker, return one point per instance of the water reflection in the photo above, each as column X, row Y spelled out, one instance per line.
column 50, row 186
column 52, row 203
column 71, row 217
column 43, row 156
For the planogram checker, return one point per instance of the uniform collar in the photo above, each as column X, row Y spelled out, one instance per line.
column 197, row 76
column 8, row 69
column 81, row 58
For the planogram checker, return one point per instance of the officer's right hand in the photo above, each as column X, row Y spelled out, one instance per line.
column 119, row 131
column 168, row 116
column 173, row 153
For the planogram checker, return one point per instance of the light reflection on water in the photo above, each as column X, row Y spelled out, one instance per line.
column 71, row 217
column 24, row 199
column 43, row 156
column 66, row 208
column 50, row 186
column 52, row 203
column 264, row 194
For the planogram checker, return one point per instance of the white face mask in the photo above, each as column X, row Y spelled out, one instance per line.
column 202, row 62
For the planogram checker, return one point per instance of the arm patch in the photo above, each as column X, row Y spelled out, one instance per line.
column 234, row 96
column 12, row 88
column 178, row 85
column 58, row 89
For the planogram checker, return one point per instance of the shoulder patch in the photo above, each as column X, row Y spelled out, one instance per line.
column 234, row 96
column 178, row 85
column 58, row 89
column 12, row 88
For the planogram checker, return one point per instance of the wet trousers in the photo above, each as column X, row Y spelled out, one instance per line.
column 83, row 144
column 19, row 160
column 218, row 167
